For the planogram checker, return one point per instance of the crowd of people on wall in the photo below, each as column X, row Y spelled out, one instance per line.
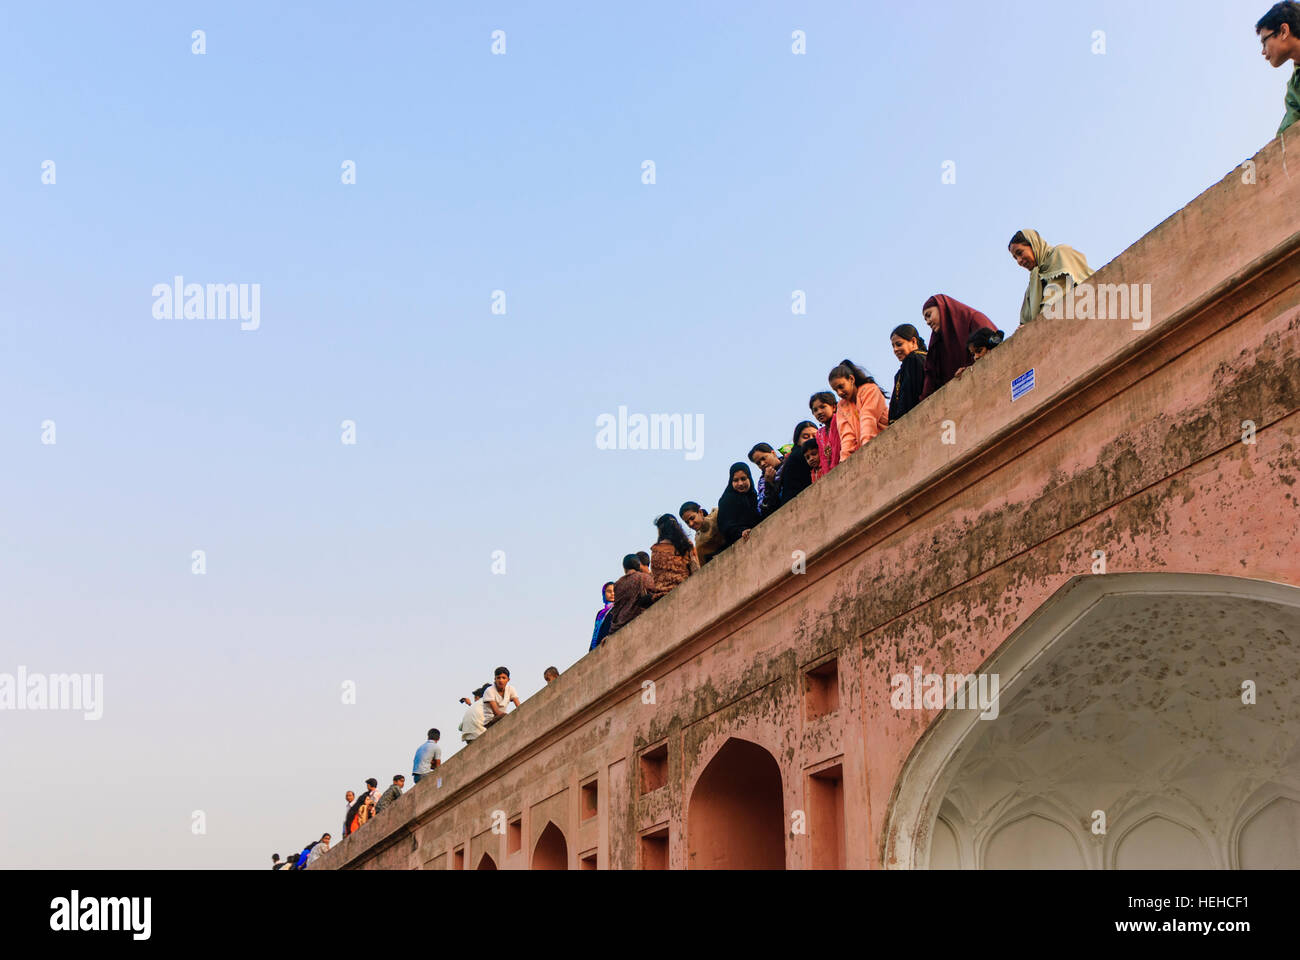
column 489, row 704
column 845, row 418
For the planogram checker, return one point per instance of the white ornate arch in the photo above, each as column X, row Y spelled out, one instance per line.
column 936, row 759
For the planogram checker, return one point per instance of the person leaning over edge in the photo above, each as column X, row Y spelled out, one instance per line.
column 428, row 757
column 708, row 539
column 391, row 794
column 499, row 696
column 631, row 594
column 1279, row 35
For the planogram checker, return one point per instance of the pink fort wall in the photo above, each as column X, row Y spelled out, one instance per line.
column 919, row 552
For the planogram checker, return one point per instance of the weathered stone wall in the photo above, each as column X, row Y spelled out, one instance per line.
column 921, row 552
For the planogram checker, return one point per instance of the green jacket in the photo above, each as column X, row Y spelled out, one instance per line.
column 387, row 797
column 1292, row 100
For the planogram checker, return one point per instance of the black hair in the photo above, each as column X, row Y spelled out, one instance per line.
column 670, row 529
column 810, row 446
column 825, row 396
column 434, row 734
column 479, row 692
column 984, row 338
column 323, row 836
column 371, row 782
column 799, row 428
column 905, row 331
column 759, row 448
column 398, row 776
column 690, row 505
column 549, row 670
column 644, row 558
column 500, row 670
column 275, row 857
column 1287, row 12
column 631, row 562
column 1018, row 238
column 850, row 371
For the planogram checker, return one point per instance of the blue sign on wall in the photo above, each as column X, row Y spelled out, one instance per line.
column 1022, row 385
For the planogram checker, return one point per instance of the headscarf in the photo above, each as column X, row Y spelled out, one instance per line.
column 600, row 616
column 1051, row 264
column 795, row 474
column 737, row 512
column 948, row 353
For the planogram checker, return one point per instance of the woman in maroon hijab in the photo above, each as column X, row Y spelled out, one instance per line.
column 952, row 322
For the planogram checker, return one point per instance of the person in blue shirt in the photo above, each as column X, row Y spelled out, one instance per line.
column 428, row 757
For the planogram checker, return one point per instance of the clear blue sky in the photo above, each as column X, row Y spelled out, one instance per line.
column 371, row 563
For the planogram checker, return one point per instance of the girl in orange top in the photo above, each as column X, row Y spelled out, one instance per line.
column 862, row 411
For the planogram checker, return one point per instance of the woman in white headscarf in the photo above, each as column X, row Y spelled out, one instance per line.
column 1047, row 266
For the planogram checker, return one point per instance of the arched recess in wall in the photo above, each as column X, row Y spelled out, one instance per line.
column 1121, row 701
column 551, row 852
column 486, row 863
column 736, row 817
column 1033, row 842
column 945, row 851
column 1161, row 842
column 951, row 846
column 1266, row 835
column 1165, row 833
column 1032, row 833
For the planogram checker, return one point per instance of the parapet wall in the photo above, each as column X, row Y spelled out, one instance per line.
column 930, row 547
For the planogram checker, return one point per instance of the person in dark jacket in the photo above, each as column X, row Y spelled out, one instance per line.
column 909, row 382
column 795, row 474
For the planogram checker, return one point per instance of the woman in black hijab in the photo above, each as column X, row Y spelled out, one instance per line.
column 795, row 474
column 738, row 505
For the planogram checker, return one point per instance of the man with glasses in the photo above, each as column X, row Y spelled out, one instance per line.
column 1279, row 33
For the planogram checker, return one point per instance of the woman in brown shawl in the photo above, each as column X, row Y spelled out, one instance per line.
column 952, row 322
column 672, row 559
